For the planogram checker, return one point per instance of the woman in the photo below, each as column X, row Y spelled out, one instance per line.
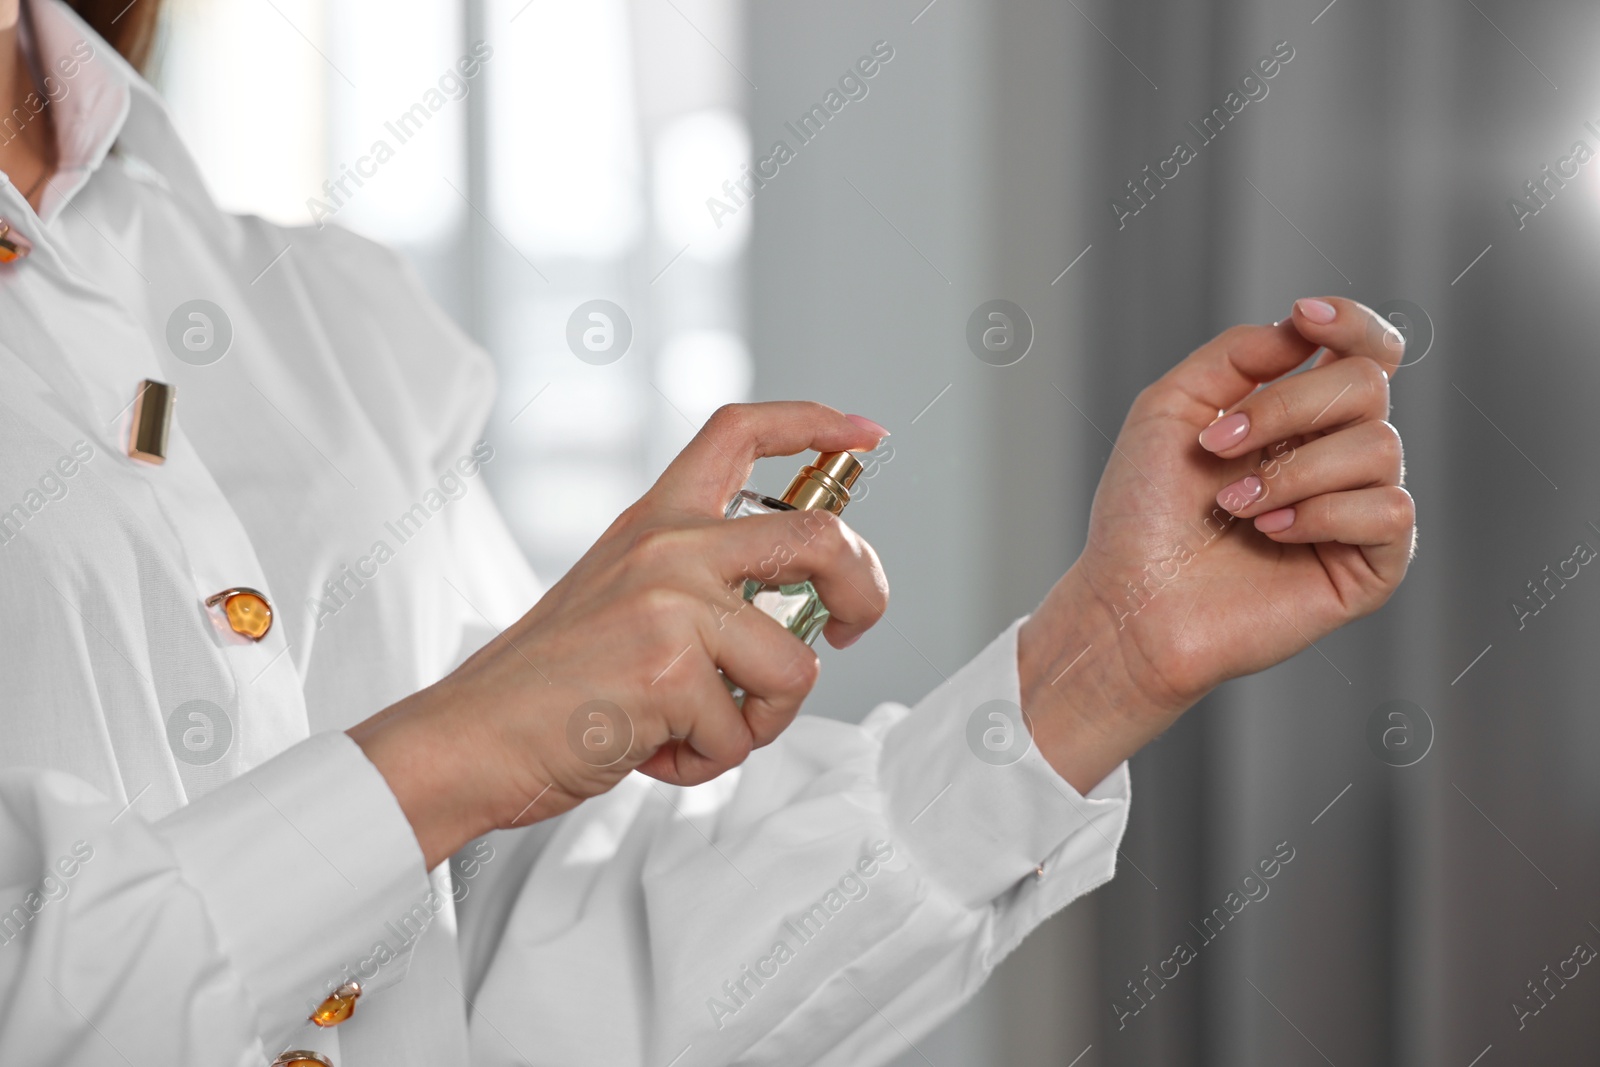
column 239, row 751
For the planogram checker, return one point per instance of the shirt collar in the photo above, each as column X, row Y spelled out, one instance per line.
column 100, row 103
column 90, row 91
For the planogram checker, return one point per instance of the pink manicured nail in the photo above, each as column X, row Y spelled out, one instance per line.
column 868, row 425
column 1275, row 521
column 1241, row 493
column 1225, row 432
column 1318, row 311
column 851, row 640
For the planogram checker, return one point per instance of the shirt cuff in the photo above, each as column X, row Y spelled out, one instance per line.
column 311, row 875
column 978, row 804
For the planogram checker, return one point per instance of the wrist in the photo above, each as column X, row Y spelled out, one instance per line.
column 1091, row 699
column 419, row 747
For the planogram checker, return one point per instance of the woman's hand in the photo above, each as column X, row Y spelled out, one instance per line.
column 615, row 668
column 1221, row 544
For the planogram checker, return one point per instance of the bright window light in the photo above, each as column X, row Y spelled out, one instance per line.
column 563, row 128
column 695, row 157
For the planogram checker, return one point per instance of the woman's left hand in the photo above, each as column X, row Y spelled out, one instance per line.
column 1233, row 526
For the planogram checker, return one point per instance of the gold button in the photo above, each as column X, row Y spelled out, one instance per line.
column 13, row 246
column 152, row 421
column 339, row 1007
column 302, row 1058
column 249, row 614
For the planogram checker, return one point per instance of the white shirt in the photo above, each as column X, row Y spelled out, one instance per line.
column 192, row 853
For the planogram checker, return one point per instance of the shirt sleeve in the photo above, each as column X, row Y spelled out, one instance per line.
column 189, row 939
column 840, row 894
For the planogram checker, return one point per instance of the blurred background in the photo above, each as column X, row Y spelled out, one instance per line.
column 1432, row 768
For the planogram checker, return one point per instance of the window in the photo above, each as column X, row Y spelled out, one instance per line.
column 574, row 166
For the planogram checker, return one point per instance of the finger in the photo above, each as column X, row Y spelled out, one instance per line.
column 1348, row 329
column 1316, row 401
column 1380, row 520
column 713, row 466
column 1365, row 455
column 814, row 546
column 775, row 669
column 708, row 733
column 1226, row 369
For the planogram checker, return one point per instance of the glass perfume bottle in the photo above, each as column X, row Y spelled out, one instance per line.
column 822, row 485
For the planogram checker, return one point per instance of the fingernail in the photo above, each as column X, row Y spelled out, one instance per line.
column 1241, row 493
column 1318, row 311
column 1275, row 521
column 851, row 640
column 1225, row 432
column 868, row 425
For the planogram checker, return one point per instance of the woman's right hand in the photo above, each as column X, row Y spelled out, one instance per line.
column 615, row 668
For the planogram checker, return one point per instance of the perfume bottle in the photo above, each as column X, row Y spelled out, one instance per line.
column 822, row 485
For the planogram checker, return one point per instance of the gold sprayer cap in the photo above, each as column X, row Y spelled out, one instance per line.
column 824, row 484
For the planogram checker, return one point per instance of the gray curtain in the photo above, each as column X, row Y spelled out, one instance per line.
column 1421, row 900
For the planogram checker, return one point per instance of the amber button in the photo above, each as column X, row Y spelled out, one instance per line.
column 13, row 246
column 302, row 1058
column 339, row 1007
column 249, row 614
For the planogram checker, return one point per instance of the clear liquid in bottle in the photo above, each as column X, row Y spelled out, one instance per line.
column 821, row 485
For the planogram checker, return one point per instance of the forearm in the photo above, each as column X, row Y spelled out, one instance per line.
column 417, row 758
column 1081, row 687
column 453, row 777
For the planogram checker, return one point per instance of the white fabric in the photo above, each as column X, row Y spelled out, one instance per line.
column 193, row 910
